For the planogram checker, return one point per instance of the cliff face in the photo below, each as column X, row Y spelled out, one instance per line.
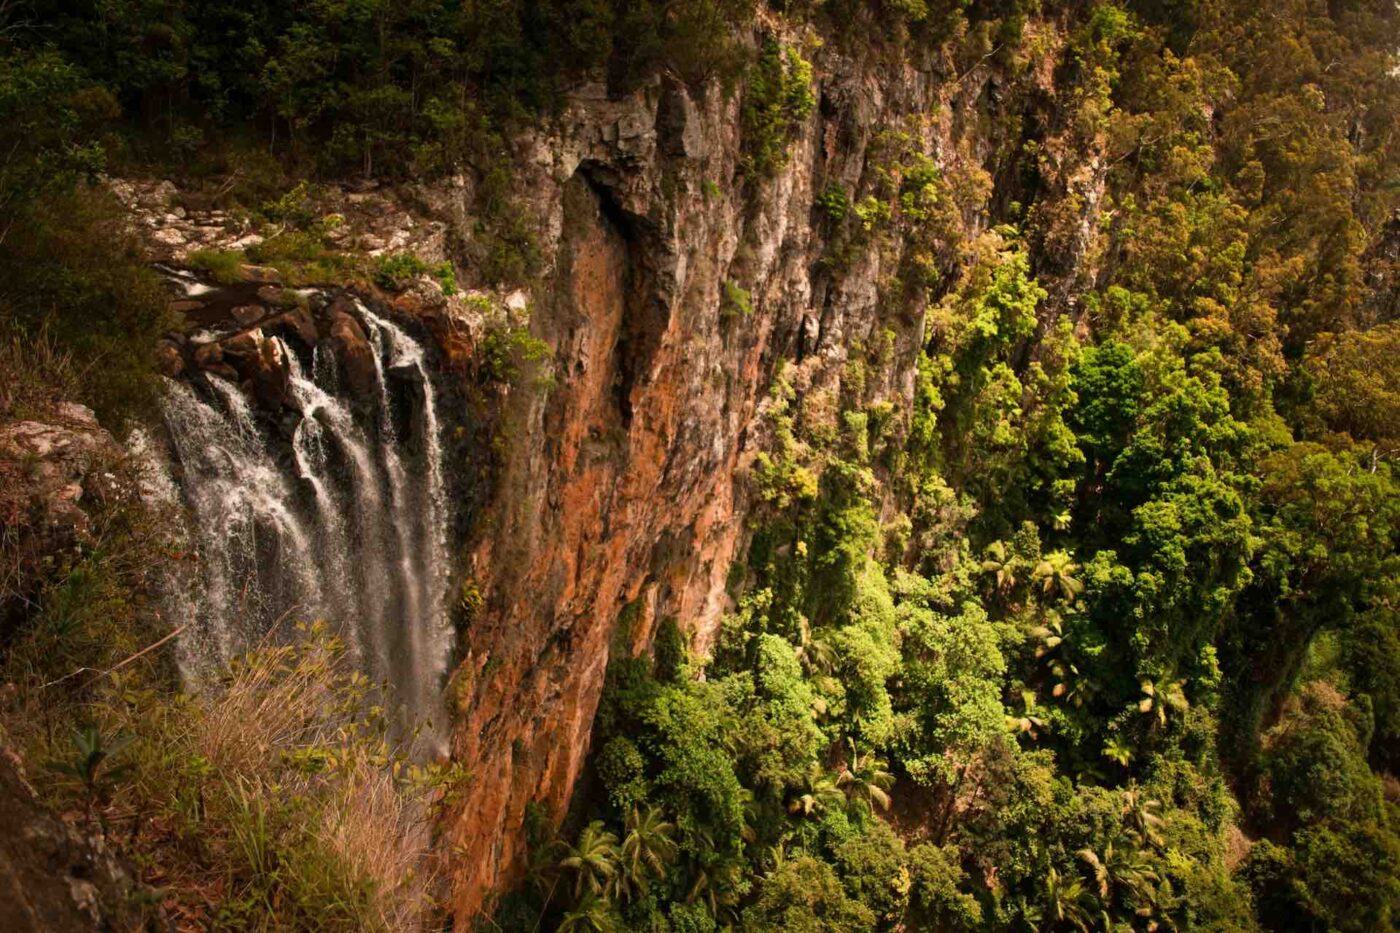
column 677, row 282
column 623, row 481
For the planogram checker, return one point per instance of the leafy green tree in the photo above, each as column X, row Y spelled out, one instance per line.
column 592, row 861
column 872, row 866
column 864, row 780
column 937, row 897
column 647, row 848
column 1356, row 377
column 806, row 896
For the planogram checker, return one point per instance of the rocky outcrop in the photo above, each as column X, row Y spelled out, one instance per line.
column 176, row 223
column 50, row 470
column 53, row 878
column 622, row 482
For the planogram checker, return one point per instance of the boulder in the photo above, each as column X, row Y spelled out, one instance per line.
column 207, row 354
column 270, row 376
column 353, row 350
column 224, row 370
column 169, row 236
column 243, row 347
column 247, row 314
column 303, row 323
column 168, row 359
column 265, row 274
column 46, row 467
column 423, row 298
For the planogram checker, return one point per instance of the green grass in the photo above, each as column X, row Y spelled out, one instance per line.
column 224, row 266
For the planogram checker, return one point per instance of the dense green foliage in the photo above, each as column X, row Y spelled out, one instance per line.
column 70, row 272
column 1099, row 633
column 378, row 85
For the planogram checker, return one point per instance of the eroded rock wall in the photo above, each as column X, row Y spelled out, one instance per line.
column 623, row 478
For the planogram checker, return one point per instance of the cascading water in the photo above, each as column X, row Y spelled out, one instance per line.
column 326, row 510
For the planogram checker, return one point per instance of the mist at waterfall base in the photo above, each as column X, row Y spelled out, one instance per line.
column 331, row 511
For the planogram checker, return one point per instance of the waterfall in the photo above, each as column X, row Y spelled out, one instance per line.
column 327, row 510
column 432, row 643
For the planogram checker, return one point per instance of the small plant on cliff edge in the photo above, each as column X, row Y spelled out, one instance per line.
column 91, row 764
column 834, row 203
column 738, row 301
column 779, row 99
column 395, row 272
column 507, row 352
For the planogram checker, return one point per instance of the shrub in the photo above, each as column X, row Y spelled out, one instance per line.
column 738, row 301
column 397, row 271
column 278, row 782
column 222, row 265
column 292, row 208
column 72, row 272
column 506, row 352
column 779, row 99
column 303, row 258
column 834, row 203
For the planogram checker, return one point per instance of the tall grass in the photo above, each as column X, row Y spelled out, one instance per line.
column 271, row 800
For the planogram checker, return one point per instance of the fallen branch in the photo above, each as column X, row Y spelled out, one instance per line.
column 116, row 667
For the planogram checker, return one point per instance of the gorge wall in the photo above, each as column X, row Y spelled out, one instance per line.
column 679, row 278
column 681, row 464
column 679, row 281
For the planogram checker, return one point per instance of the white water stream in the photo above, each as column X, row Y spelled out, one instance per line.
column 346, row 522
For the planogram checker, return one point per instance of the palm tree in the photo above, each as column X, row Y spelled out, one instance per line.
column 1056, row 573
column 647, row 849
column 1170, row 696
column 719, row 881
column 592, row 860
column 1070, row 686
column 863, row 778
column 820, row 794
column 1001, row 561
column 751, row 813
column 778, row 855
column 1029, row 724
column 1065, row 900
column 816, row 653
column 1142, row 817
column 593, row 914
column 1050, row 636
column 1119, row 869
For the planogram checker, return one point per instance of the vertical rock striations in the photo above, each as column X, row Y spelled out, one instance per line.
column 622, row 481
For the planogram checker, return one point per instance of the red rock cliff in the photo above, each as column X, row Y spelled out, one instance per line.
column 622, row 481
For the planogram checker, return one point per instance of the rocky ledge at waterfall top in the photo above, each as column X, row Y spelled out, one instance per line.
column 619, row 475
